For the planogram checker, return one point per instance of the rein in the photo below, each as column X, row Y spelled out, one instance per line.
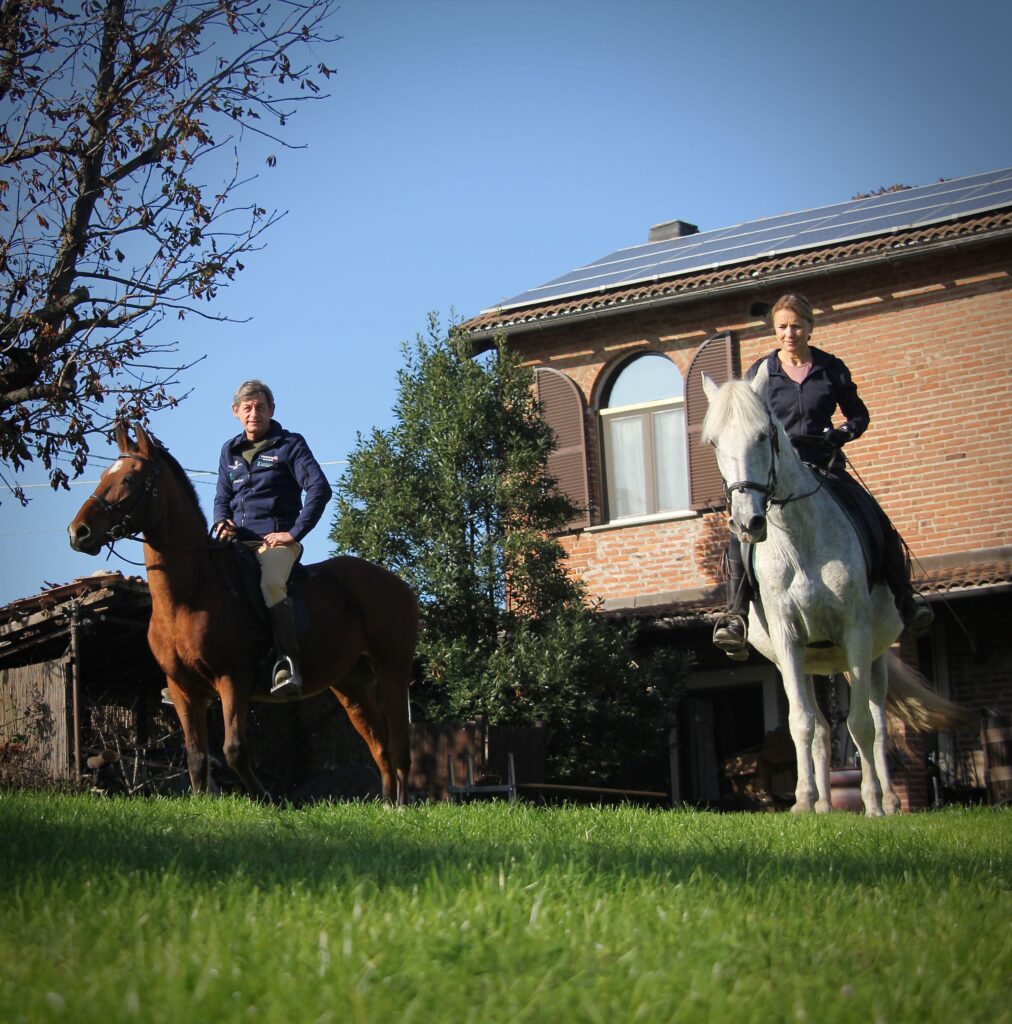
column 130, row 525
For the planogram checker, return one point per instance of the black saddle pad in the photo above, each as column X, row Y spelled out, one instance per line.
column 865, row 516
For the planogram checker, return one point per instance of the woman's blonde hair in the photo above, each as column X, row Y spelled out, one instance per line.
column 797, row 304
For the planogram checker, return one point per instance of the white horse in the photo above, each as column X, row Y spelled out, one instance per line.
column 813, row 590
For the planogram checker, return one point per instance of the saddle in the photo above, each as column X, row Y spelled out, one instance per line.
column 246, row 582
column 242, row 574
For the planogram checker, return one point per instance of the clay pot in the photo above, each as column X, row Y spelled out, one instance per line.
column 845, row 789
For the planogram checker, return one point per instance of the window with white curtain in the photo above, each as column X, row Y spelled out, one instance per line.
column 643, row 428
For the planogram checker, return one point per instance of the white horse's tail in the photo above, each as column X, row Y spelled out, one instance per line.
column 911, row 701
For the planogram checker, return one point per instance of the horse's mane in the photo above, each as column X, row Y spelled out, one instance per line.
column 735, row 405
column 169, row 460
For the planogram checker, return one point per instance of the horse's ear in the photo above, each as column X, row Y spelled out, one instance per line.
column 761, row 381
column 710, row 386
column 144, row 443
column 123, row 436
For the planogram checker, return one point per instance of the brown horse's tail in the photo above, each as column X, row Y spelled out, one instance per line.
column 912, row 702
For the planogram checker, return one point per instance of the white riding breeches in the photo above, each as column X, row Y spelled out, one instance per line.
column 275, row 568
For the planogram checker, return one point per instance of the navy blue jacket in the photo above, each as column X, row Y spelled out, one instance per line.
column 266, row 496
column 807, row 408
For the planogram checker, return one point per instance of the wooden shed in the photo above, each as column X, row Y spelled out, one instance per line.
column 88, row 634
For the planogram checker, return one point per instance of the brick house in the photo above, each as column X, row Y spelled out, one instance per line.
column 913, row 290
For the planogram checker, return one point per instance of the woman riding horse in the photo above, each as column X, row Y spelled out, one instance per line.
column 806, row 386
column 261, row 476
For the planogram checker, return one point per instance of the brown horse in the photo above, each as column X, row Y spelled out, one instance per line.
column 360, row 641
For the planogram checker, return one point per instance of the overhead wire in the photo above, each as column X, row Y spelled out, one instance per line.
column 193, row 474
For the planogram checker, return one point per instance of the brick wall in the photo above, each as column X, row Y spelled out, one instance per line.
column 929, row 342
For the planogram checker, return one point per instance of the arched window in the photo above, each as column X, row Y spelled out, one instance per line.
column 643, row 430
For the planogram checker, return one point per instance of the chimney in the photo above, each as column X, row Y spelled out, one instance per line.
column 671, row 229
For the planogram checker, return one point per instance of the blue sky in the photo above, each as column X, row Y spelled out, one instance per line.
column 471, row 150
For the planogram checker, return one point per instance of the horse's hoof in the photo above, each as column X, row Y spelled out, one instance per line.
column 823, row 807
column 891, row 803
column 873, row 812
column 802, row 808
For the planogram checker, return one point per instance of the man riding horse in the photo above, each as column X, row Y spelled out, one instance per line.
column 262, row 474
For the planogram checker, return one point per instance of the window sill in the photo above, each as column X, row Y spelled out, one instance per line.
column 657, row 517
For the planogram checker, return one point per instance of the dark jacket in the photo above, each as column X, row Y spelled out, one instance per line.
column 807, row 408
column 266, row 496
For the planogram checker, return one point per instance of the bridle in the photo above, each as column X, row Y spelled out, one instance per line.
column 767, row 489
column 134, row 507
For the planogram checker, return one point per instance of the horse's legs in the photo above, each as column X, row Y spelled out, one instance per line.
column 393, row 686
column 357, row 693
column 877, row 703
column 821, row 749
column 391, row 678
column 192, row 714
column 862, row 728
column 801, row 719
column 234, row 709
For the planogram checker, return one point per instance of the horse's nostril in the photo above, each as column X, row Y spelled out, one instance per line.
column 756, row 524
column 78, row 535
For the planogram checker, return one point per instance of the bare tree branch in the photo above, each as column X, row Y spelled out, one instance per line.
column 109, row 111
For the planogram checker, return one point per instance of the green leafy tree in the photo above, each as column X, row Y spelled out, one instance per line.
column 457, row 499
column 122, row 195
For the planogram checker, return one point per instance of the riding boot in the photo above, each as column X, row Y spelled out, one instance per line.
column 915, row 612
column 730, row 633
column 287, row 680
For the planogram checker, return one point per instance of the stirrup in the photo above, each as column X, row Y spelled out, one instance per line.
column 170, row 703
column 286, row 679
column 732, row 641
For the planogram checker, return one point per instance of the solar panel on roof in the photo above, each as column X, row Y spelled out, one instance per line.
column 842, row 222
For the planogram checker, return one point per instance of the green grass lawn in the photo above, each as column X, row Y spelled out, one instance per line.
column 222, row 910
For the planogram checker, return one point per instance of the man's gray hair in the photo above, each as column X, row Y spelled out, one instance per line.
column 251, row 388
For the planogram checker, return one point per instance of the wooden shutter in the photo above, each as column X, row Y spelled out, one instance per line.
column 717, row 357
column 563, row 408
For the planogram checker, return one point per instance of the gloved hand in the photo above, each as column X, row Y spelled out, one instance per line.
column 836, row 437
column 224, row 529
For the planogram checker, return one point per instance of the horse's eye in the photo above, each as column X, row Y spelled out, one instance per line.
column 128, row 480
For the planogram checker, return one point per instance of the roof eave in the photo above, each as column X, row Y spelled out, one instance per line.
column 485, row 334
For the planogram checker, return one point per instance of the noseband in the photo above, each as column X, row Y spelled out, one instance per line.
column 766, row 489
column 130, row 518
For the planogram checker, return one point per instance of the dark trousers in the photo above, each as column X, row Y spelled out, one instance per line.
column 739, row 590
